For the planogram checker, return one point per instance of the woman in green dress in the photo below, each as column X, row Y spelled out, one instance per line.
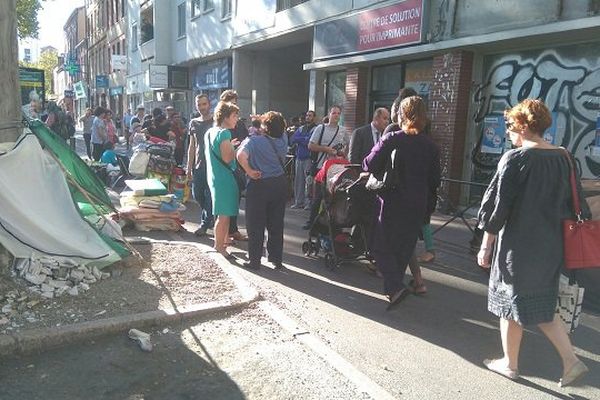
column 219, row 152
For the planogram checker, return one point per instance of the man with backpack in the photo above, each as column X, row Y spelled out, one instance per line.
column 327, row 141
column 57, row 121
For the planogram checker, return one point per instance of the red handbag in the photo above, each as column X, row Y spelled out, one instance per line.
column 581, row 237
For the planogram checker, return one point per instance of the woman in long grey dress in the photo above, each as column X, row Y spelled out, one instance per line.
column 523, row 207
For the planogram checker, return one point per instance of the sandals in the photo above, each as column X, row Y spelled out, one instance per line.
column 418, row 290
column 498, row 367
column 397, row 297
column 426, row 257
column 223, row 251
column 577, row 371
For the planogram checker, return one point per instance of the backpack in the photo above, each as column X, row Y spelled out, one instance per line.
column 61, row 125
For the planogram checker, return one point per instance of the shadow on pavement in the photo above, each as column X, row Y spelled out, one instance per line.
column 452, row 315
column 113, row 367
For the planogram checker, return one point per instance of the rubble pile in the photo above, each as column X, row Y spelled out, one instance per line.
column 16, row 302
column 50, row 278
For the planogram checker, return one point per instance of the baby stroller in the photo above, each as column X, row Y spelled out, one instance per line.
column 339, row 229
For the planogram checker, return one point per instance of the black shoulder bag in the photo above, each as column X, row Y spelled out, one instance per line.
column 238, row 174
column 316, row 156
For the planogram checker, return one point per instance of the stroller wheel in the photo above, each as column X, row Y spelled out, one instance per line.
column 306, row 248
column 329, row 261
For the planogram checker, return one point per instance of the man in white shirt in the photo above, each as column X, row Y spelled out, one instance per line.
column 327, row 141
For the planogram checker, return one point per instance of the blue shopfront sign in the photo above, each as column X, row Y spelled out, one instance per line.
column 213, row 75
column 115, row 91
column 102, row 81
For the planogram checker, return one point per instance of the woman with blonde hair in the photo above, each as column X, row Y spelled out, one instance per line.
column 220, row 164
column 410, row 195
column 523, row 206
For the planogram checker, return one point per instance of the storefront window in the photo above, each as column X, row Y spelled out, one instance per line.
column 419, row 75
column 387, row 78
column 336, row 89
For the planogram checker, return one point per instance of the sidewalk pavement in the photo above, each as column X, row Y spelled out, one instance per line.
column 35, row 340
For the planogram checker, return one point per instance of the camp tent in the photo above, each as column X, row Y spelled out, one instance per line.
column 52, row 203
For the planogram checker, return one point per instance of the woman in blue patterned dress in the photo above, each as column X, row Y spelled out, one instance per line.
column 523, row 206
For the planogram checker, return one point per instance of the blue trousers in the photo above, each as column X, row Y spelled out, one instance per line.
column 201, row 193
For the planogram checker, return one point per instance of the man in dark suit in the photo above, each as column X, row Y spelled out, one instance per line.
column 364, row 138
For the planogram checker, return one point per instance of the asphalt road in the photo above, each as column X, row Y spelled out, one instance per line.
column 430, row 347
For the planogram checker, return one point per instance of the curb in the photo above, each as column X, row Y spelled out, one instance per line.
column 37, row 340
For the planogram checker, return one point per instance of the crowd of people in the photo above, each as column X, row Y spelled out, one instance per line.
column 525, row 190
column 520, row 214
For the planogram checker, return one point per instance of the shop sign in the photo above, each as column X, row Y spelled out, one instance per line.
column 69, row 94
column 158, row 76
column 102, row 81
column 179, row 78
column 116, row 91
column 382, row 28
column 118, row 62
column 31, row 82
column 79, row 89
column 213, row 75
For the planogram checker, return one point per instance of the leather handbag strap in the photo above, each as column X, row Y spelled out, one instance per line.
column 220, row 159
column 270, row 140
column 574, row 194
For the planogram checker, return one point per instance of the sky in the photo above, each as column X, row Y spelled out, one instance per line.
column 52, row 19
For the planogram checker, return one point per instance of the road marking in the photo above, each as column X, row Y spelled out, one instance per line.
column 362, row 381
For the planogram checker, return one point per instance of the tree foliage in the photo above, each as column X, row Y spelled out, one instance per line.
column 27, row 18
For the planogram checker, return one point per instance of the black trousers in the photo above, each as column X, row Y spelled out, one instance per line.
column 87, row 138
column 265, row 208
column 97, row 150
column 315, row 204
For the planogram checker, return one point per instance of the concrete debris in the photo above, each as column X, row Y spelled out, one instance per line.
column 142, row 338
column 48, row 278
column 51, row 277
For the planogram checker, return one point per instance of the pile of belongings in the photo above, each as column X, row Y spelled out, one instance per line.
column 153, row 160
column 148, row 206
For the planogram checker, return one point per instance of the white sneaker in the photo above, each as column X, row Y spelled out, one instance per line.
column 295, row 206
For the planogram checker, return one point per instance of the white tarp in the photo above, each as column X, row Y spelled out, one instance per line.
column 38, row 217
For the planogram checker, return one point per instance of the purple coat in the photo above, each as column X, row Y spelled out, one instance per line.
column 404, row 209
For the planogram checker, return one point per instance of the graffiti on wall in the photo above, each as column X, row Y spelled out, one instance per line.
column 570, row 86
column 442, row 96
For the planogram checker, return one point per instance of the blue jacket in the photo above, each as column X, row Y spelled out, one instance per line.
column 301, row 138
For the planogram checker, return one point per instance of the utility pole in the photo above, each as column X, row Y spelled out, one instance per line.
column 10, row 95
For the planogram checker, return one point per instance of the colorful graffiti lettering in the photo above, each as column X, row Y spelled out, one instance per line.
column 570, row 86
